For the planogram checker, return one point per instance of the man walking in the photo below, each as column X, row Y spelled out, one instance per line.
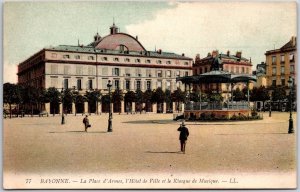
column 86, row 123
column 184, row 133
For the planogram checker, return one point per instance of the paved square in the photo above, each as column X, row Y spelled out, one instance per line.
column 147, row 143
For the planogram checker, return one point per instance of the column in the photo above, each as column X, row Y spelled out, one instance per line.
column 154, row 107
column 60, row 108
column 73, row 107
column 122, row 107
column 133, row 107
column 164, row 107
column 99, row 107
column 182, row 107
column 47, row 107
column 173, row 107
column 86, row 107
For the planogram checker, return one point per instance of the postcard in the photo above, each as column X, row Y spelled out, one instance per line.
column 149, row 95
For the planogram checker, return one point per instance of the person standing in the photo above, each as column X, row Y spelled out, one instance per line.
column 86, row 123
column 184, row 133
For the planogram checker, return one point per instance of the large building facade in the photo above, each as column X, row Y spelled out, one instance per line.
column 117, row 57
column 281, row 63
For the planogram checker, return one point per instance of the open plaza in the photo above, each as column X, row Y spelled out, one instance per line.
column 148, row 144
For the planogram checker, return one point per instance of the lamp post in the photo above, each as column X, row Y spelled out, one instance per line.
column 62, row 107
column 291, row 86
column 270, row 107
column 109, row 129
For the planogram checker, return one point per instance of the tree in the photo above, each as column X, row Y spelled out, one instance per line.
column 139, row 99
column 11, row 95
column 178, row 96
column 213, row 96
column 54, row 97
column 278, row 93
column 168, row 100
column 147, row 98
column 93, row 97
column 130, row 97
column 117, row 97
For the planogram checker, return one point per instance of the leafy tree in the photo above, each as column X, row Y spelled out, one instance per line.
column 147, row 98
column 158, row 97
column 130, row 97
column 117, row 97
column 139, row 99
column 278, row 93
column 11, row 95
column 168, row 99
column 54, row 97
column 178, row 96
column 213, row 96
column 93, row 97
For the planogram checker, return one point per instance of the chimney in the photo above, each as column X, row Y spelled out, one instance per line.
column 238, row 54
column 136, row 37
column 293, row 41
column 159, row 51
column 197, row 57
column 183, row 54
column 215, row 53
column 208, row 54
column 228, row 53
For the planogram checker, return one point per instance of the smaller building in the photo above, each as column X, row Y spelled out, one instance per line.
column 281, row 63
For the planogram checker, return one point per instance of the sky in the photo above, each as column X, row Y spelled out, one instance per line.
column 181, row 27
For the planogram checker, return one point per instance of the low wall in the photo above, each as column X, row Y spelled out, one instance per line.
column 217, row 113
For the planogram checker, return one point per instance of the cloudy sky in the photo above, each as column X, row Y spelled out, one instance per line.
column 180, row 27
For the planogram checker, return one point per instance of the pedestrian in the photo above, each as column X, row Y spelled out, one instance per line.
column 184, row 133
column 86, row 123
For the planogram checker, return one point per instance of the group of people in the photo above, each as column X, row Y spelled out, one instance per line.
column 184, row 132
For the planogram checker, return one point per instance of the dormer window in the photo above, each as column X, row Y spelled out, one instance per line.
column 158, row 61
column 127, row 60
column 90, row 57
column 104, row 58
column 66, row 56
column 148, row 61
column 186, row 63
column 137, row 60
column 116, row 59
column 168, row 62
column 77, row 56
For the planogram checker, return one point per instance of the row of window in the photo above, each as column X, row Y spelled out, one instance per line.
column 116, row 84
column 282, row 70
column 117, row 59
column 282, row 58
column 232, row 69
column 282, row 81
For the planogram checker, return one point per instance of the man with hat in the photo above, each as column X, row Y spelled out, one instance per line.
column 184, row 133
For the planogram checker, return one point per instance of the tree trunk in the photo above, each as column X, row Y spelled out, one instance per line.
column 10, row 112
column 31, row 110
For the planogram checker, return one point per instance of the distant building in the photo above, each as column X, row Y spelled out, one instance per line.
column 281, row 63
column 260, row 74
column 118, row 57
column 235, row 64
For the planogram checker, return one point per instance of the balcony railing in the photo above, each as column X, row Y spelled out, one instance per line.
column 217, row 105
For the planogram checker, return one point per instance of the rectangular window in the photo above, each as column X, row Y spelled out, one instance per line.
column 79, row 84
column 158, row 61
column 148, row 85
column 281, row 58
column 104, row 59
column 273, row 82
column 117, row 84
column 200, row 71
column 127, row 60
column 66, row 56
column 77, row 56
column 148, row 72
column 247, row 70
column 91, row 70
column 54, row 69
column 148, row 61
column 232, row 69
column 186, row 73
column 159, row 83
column 274, row 71
column 66, row 84
column 138, row 72
column 90, row 83
column 116, row 72
column 138, row 85
column 79, row 70
column 292, row 57
column 243, row 70
column 282, row 82
column 127, row 85
column 137, row 60
column 292, row 69
column 177, row 73
column 116, row 59
column 168, row 62
column 168, row 73
column 205, row 69
column 237, row 70
column 282, row 70
column 159, row 73
column 127, row 72
column 105, row 71
column 66, row 69
column 54, row 55
column 90, row 57
column 273, row 60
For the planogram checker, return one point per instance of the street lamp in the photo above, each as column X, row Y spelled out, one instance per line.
column 62, row 107
column 109, row 129
column 270, row 107
column 291, row 86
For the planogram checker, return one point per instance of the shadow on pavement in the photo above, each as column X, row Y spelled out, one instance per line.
column 250, row 133
column 163, row 152
column 151, row 121
column 80, row 132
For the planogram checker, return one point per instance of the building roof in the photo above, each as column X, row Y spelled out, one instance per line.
column 291, row 44
column 93, row 50
column 225, row 56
